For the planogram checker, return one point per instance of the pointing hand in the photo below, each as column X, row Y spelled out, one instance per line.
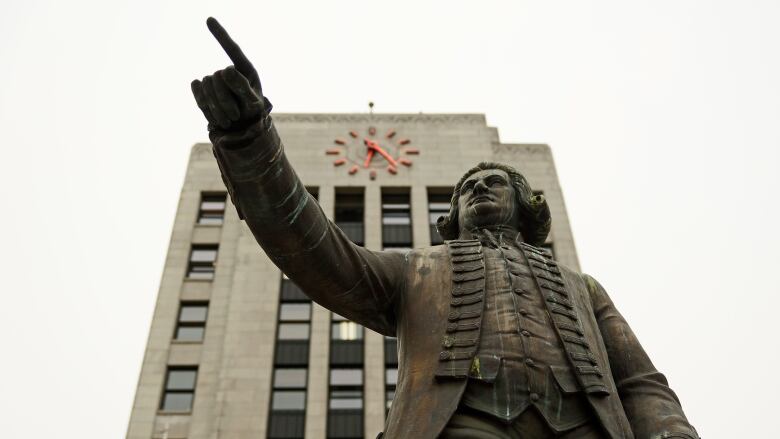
column 232, row 96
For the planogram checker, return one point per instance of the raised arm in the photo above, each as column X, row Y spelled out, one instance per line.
column 286, row 221
column 651, row 406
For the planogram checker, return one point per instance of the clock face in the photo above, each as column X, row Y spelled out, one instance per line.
column 368, row 150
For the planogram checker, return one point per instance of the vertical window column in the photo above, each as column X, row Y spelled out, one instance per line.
column 391, row 369
column 396, row 220
column 438, row 205
column 288, row 399
column 349, row 213
column 345, row 398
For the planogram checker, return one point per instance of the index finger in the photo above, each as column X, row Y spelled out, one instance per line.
column 240, row 61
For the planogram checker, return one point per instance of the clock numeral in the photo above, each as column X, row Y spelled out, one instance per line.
column 405, row 162
column 392, row 170
column 353, row 134
column 390, row 134
column 413, row 151
column 372, row 175
column 371, row 130
column 333, row 151
column 353, row 169
column 340, row 141
column 339, row 162
column 404, row 141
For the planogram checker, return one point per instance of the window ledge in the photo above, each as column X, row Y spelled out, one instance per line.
column 174, row 413
column 174, row 341
column 209, row 226
column 190, row 279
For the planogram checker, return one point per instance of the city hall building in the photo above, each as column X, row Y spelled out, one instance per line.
column 236, row 350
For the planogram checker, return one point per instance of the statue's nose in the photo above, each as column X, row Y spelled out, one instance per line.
column 480, row 187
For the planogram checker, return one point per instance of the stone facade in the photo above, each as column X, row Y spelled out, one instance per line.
column 235, row 358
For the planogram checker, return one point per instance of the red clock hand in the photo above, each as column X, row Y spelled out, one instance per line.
column 375, row 147
column 369, row 156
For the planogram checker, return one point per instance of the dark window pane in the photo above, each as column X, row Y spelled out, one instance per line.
column 295, row 311
column 290, row 378
column 181, row 379
column 190, row 333
column 287, row 424
column 291, row 292
column 346, row 352
column 346, row 377
column 292, row 353
column 293, row 331
column 177, row 402
column 288, row 400
column 193, row 313
column 345, row 424
column 391, row 351
column 346, row 331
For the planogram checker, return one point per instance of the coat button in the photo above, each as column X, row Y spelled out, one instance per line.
column 523, row 312
column 444, row 355
column 534, row 397
column 448, row 342
column 526, row 333
column 529, row 361
column 454, row 315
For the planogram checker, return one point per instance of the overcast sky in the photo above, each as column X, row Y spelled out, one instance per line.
column 662, row 116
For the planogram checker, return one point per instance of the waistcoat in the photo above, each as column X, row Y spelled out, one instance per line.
column 519, row 360
column 461, row 342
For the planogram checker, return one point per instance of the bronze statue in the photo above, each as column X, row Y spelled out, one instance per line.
column 496, row 340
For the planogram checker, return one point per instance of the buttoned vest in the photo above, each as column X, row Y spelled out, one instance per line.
column 464, row 355
column 519, row 361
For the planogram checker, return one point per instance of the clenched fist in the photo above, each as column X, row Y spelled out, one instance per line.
column 230, row 98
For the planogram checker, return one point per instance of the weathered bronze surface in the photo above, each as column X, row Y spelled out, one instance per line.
column 496, row 339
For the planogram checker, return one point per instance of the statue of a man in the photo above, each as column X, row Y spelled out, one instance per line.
column 496, row 340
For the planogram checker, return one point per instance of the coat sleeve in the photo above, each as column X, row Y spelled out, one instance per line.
column 652, row 408
column 288, row 223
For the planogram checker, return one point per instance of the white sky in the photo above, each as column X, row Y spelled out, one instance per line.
column 662, row 115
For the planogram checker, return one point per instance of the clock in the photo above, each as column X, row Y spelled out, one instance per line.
column 366, row 150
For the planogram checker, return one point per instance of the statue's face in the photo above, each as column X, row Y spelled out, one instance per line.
column 487, row 198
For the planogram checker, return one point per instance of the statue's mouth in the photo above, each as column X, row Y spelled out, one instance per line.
column 479, row 199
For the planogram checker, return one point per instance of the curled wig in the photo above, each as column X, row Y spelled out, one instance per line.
column 534, row 211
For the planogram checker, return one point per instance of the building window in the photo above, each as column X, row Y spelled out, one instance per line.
column 349, row 213
column 391, row 381
column 438, row 205
column 179, row 389
column 345, row 403
column 396, row 221
column 288, row 404
column 346, row 342
column 212, row 208
column 288, row 399
column 202, row 262
column 391, row 369
column 192, row 321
